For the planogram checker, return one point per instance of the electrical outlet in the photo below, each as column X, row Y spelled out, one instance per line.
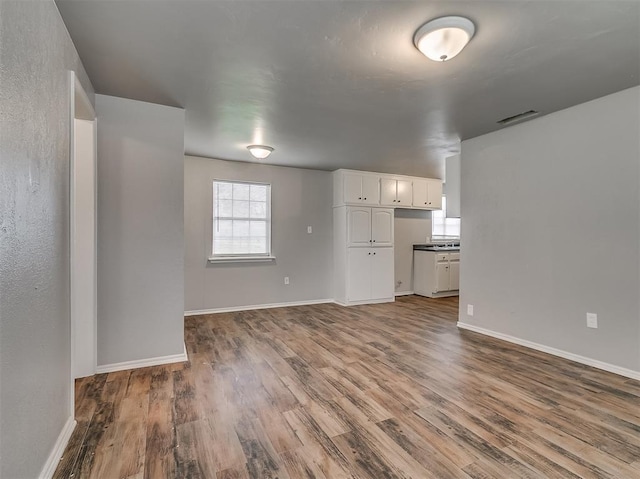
column 469, row 309
column 592, row 320
column 286, row 280
column 309, row 229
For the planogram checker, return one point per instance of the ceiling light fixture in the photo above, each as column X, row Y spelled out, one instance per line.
column 443, row 38
column 260, row 152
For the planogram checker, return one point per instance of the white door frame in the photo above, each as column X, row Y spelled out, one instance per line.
column 83, row 328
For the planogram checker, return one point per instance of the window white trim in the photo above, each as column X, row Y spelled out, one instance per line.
column 241, row 259
column 242, row 256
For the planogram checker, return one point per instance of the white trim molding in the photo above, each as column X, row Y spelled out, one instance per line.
column 251, row 307
column 403, row 293
column 58, row 449
column 612, row 368
column 144, row 363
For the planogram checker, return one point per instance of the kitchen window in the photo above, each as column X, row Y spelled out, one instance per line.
column 443, row 227
column 241, row 221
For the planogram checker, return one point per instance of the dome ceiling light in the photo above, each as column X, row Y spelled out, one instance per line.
column 443, row 38
column 260, row 152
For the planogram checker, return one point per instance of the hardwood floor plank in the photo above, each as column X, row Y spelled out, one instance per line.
column 390, row 390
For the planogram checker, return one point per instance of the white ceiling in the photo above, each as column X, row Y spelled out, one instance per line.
column 333, row 84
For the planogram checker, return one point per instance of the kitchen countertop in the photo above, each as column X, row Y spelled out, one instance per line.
column 432, row 247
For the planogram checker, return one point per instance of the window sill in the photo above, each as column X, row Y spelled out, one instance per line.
column 242, row 259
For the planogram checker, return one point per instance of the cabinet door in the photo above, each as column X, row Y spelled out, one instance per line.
column 359, row 274
column 442, row 277
column 403, row 192
column 382, row 273
column 388, row 192
column 352, row 188
column 434, row 192
column 381, row 227
column 454, row 272
column 371, row 189
column 420, row 196
column 359, row 226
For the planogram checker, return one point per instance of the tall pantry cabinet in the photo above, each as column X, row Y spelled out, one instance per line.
column 363, row 246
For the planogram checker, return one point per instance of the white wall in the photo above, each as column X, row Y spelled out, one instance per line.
column 300, row 198
column 83, row 253
column 410, row 227
column 35, row 371
column 551, row 230
column 140, row 230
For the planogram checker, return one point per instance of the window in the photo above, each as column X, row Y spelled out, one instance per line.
column 241, row 220
column 443, row 227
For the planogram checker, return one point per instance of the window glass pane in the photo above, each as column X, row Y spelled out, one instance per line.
column 258, row 228
column 258, row 192
column 224, row 190
column 222, row 246
column 223, row 228
column 225, row 208
column 240, row 209
column 258, row 246
column 240, row 191
column 258, row 210
column 240, row 228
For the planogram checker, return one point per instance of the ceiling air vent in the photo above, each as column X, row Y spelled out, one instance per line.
column 519, row 117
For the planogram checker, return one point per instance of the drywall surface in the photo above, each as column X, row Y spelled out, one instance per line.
column 140, row 230
column 36, row 55
column 299, row 198
column 83, row 241
column 551, row 230
column 410, row 227
column 452, row 186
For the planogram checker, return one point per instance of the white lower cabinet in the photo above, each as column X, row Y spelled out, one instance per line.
column 436, row 274
column 369, row 274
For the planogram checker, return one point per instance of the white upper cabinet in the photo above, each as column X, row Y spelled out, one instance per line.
column 369, row 226
column 356, row 188
column 395, row 192
column 427, row 194
column 377, row 189
column 381, row 227
column 359, row 226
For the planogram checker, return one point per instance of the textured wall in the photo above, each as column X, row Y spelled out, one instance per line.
column 35, row 56
column 140, row 230
column 300, row 198
column 551, row 230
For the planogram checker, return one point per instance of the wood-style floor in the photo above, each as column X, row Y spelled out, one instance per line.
column 379, row 391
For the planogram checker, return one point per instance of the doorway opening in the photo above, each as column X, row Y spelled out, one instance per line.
column 82, row 234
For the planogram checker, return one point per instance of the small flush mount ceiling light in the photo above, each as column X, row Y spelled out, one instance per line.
column 260, row 152
column 443, row 38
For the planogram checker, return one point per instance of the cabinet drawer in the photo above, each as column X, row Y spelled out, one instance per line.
column 454, row 256
column 442, row 257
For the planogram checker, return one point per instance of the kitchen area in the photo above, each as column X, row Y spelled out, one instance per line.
column 395, row 235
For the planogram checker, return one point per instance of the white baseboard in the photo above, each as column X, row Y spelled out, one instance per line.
column 58, row 449
column 143, row 363
column 256, row 306
column 612, row 368
column 404, row 293
column 366, row 301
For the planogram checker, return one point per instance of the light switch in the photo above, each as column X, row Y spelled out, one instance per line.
column 309, row 229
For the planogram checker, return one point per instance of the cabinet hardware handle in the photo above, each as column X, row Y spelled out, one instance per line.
column 425, row 202
column 374, row 241
column 374, row 253
column 359, row 197
column 365, row 198
column 369, row 254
